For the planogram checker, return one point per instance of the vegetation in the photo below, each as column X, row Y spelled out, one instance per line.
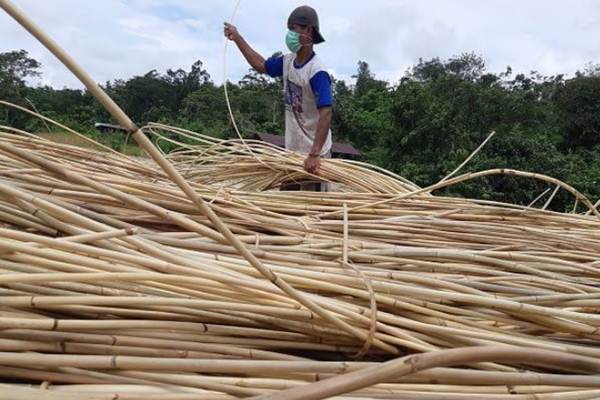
column 422, row 127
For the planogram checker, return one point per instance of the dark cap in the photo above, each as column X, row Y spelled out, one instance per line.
column 305, row 15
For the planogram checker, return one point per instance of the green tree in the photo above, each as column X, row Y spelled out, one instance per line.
column 365, row 80
column 15, row 68
column 158, row 97
column 579, row 104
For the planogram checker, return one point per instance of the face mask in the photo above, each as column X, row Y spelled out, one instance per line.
column 292, row 40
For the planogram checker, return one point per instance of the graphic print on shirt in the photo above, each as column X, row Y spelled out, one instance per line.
column 293, row 97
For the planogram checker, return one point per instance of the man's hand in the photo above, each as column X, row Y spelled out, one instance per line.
column 312, row 164
column 231, row 32
column 255, row 60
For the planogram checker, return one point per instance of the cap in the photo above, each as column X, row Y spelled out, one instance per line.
column 305, row 15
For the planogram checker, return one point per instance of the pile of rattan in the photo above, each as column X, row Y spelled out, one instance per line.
column 113, row 284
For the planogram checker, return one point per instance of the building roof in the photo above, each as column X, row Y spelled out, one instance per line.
column 338, row 148
column 105, row 126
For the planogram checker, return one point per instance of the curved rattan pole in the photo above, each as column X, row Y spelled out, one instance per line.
column 408, row 365
column 473, row 175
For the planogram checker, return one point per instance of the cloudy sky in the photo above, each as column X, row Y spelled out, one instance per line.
column 122, row 38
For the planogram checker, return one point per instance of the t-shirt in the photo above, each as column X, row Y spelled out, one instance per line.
column 307, row 88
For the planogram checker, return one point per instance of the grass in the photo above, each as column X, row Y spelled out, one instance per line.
column 131, row 149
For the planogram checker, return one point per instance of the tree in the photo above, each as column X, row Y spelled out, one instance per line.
column 204, row 110
column 15, row 68
column 579, row 104
column 467, row 66
column 155, row 96
column 365, row 80
column 590, row 70
column 184, row 82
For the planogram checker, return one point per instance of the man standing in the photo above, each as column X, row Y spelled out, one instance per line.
column 307, row 86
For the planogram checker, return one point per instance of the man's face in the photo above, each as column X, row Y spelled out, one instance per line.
column 305, row 33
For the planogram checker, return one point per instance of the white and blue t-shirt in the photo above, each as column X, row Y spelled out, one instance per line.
column 307, row 88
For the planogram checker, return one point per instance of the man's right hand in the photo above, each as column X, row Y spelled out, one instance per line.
column 231, row 32
column 254, row 59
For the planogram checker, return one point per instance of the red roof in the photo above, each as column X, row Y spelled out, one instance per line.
column 338, row 148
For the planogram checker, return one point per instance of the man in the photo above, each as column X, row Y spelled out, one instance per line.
column 307, row 87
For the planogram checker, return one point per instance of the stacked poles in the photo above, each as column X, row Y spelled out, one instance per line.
column 104, row 298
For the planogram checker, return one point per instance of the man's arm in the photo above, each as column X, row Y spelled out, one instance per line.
column 322, row 88
column 313, row 161
column 323, row 127
column 255, row 60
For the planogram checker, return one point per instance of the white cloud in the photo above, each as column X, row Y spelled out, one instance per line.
column 121, row 38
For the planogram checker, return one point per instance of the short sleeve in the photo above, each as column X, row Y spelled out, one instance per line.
column 322, row 88
column 274, row 66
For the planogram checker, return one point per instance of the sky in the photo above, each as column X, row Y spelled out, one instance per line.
column 118, row 39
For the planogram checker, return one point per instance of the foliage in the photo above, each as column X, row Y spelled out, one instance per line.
column 422, row 127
